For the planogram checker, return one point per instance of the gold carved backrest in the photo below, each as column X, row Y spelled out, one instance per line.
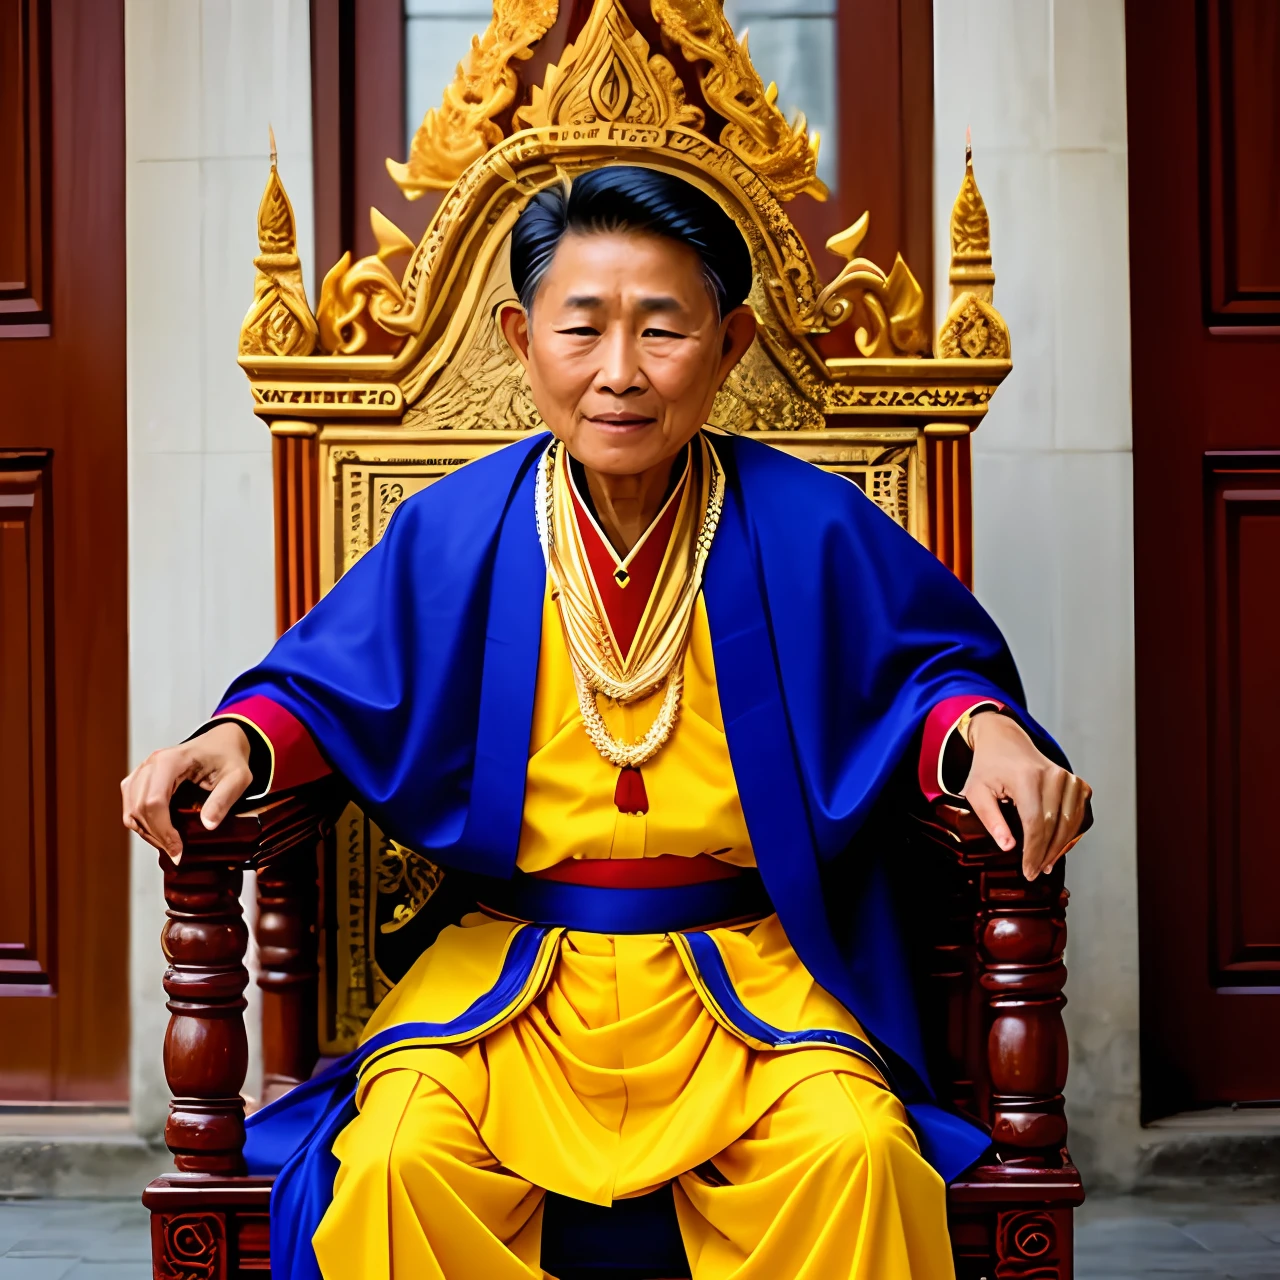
column 401, row 374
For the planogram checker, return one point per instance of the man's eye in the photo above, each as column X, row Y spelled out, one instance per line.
column 581, row 331
column 661, row 333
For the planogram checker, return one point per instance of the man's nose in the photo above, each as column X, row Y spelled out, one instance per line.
column 619, row 371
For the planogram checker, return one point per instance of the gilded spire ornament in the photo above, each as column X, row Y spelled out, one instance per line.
column 973, row 327
column 279, row 321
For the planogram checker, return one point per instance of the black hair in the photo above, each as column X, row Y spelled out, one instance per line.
column 624, row 197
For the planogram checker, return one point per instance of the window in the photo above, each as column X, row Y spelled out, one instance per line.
column 437, row 35
column 793, row 43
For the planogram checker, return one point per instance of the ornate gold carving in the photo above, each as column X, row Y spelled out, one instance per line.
column 784, row 155
column 327, row 399
column 608, row 76
column 348, row 292
column 279, row 321
column 973, row 327
column 757, row 396
column 458, row 132
column 410, row 878
column 893, row 303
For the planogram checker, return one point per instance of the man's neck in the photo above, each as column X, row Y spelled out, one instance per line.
column 625, row 506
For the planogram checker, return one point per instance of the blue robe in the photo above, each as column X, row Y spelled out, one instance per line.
column 834, row 633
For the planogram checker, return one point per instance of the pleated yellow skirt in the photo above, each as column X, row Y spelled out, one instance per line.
column 613, row 1078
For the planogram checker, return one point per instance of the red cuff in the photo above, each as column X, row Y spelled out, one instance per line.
column 295, row 758
column 938, row 728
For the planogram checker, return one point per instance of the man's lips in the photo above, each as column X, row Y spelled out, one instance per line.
column 620, row 421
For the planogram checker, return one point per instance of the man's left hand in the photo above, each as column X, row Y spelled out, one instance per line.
column 1051, row 802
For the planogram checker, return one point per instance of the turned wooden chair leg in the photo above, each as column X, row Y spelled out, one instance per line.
column 286, row 936
column 205, row 1049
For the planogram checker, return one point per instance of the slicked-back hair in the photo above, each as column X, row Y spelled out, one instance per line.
column 623, row 197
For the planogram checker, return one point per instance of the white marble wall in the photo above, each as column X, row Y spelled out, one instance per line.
column 1042, row 82
column 204, row 78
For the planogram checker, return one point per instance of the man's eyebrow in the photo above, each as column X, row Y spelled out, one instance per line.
column 582, row 300
column 663, row 302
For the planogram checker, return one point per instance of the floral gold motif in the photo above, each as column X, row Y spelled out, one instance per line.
column 894, row 303
column 409, row 877
column 457, row 133
column 784, row 155
column 279, row 321
column 608, row 76
column 349, row 291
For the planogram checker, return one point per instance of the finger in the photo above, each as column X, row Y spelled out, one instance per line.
column 1037, row 808
column 225, row 793
column 163, row 776
column 987, row 807
column 134, row 825
column 134, row 788
column 1070, row 816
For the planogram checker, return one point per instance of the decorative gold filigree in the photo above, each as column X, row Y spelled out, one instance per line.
column 279, row 321
column 348, row 292
column 894, row 303
column 408, row 876
column 757, row 396
column 784, row 155
column 457, row 133
column 973, row 327
column 608, row 76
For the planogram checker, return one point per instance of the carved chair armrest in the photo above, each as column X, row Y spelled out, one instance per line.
column 993, row 943
column 204, row 941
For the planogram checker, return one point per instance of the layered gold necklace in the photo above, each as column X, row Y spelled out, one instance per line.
column 656, row 654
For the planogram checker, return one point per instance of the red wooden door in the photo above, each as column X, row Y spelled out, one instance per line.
column 1204, row 164
column 63, row 607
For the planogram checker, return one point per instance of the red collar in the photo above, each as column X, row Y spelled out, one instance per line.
column 624, row 604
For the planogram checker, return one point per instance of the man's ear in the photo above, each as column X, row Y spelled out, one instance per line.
column 515, row 328
column 739, row 332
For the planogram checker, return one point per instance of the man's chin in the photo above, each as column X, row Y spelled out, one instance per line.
column 620, row 453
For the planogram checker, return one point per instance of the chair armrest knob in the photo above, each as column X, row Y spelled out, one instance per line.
column 255, row 832
column 952, row 824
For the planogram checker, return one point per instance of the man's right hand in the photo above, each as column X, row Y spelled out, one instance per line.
column 217, row 760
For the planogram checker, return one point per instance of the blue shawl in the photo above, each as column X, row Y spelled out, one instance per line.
column 834, row 633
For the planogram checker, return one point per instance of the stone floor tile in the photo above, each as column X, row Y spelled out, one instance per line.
column 12, row 1268
column 1220, row 1236
column 110, row 1271
column 1134, row 1234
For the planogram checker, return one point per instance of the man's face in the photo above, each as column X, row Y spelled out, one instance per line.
column 624, row 349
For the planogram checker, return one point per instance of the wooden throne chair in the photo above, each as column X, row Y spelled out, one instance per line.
column 401, row 375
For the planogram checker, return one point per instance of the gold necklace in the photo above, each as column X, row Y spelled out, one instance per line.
column 596, row 666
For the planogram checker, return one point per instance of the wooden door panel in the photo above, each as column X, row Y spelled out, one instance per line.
column 24, row 166
column 1244, row 566
column 27, row 898
column 1204, row 226
column 64, row 924
column 1240, row 106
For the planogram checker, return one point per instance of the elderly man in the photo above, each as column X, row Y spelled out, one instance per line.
column 645, row 683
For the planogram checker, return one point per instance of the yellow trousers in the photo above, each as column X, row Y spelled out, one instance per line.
column 827, row 1184
column 614, row 1080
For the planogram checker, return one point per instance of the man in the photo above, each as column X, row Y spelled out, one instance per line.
column 645, row 683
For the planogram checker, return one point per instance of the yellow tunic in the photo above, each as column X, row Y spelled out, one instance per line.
column 613, row 1076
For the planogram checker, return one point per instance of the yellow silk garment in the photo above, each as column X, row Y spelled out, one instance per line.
column 612, row 1074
